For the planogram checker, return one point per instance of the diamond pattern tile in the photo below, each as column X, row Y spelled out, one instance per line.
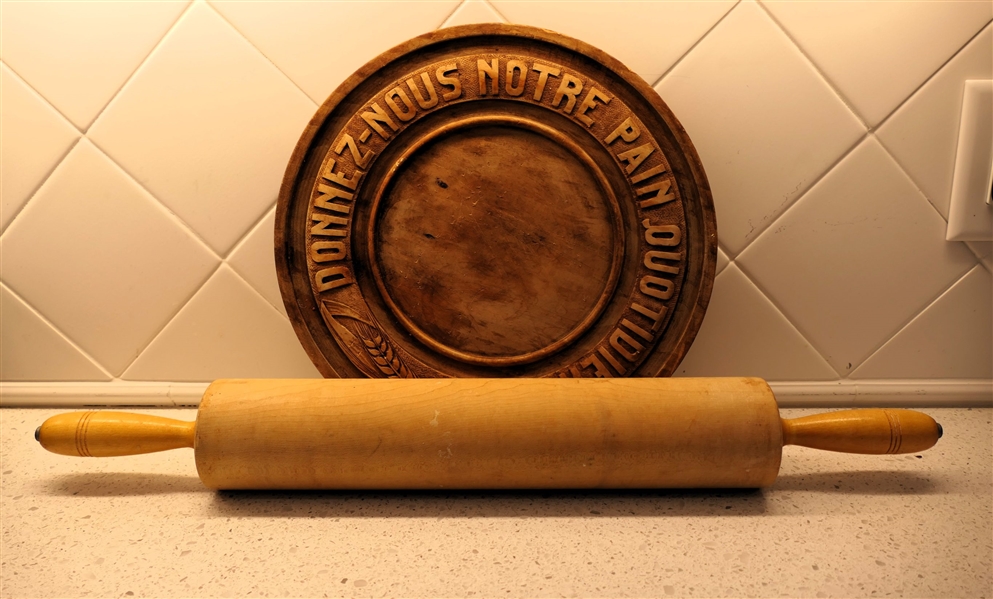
column 78, row 54
column 862, row 248
column 648, row 37
column 226, row 331
column 743, row 334
column 752, row 113
column 952, row 338
column 31, row 350
column 984, row 251
column 831, row 260
column 722, row 261
column 101, row 259
column 254, row 260
column 319, row 44
column 474, row 11
column 35, row 137
column 207, row 125
column 878, row 53
column 922, row 134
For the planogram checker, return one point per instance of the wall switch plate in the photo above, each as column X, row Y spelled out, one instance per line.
column 970, row 213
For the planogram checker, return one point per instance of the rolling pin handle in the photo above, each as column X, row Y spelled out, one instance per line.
column 104, row 434
column 872, row 431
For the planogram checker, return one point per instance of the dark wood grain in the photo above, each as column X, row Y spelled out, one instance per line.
column 495, row 200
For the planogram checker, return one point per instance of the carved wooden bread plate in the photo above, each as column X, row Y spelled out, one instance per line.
column 490, row 201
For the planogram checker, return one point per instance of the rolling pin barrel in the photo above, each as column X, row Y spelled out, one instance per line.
column 488, row 433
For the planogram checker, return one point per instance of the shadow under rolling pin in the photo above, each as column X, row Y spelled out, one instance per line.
column 488, row 433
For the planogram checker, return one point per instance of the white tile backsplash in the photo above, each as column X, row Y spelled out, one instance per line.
column 474, row 11
column 923, row 132
column 952, row 338
column 226, row 331
column 32, row 350
column 213, row 148
column 648, row 37
column 319, row 44
column 254, row 259
column 143, row 251
column 101, row 258
column 877, row 53
column 722, row 261
column 745, row 335
column 34, row 139
column 752, row 113
column 79, row 54
column 863, row 247
column 984, row 251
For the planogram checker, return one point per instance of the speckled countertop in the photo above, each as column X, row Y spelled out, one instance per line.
column 833, row 525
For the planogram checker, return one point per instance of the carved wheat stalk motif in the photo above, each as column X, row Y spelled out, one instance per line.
column 368, row 349
column 384, row 356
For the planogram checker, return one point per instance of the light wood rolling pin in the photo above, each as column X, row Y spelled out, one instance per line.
column 488, row 433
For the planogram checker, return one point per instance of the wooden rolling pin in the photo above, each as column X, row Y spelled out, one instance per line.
column 488, row 433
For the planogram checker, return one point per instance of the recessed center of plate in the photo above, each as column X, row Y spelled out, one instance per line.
column 497, row 241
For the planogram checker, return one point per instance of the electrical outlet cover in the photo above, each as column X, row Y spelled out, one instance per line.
column 970, row 214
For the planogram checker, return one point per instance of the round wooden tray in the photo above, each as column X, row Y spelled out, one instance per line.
column 495, row 200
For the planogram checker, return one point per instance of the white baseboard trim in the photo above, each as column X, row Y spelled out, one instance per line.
column 115, row 393
column 889, row 393
column 792, row 394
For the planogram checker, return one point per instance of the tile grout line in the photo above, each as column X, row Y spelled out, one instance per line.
column 450, row 15
column 733, row 257
column 85, row 134
column 189, row 228
column 161, row 205
column 768, row 296
column 316, row 103
column 222, row 260
column 79, row 135
column 988, row 267
column 248, row 232
column 910, row 97
column 259, row 294
column 44, row 180
column 695, row 44
column 182, row 224
column 817, row 69
column 928, row 79
column 913, row 182
column 862, row 139
column 56, row 330
column 39, row 94
column 870, row 132
column 244, row 239
column 496, row 10
column 186, row 303
column 918, row 89
column 927, row 304
column 141, row 64
column 915, row 315
column 169, row 210
column 173, row 316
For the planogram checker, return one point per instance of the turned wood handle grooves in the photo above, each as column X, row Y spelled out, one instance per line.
column 875, row 431
column 104, row 434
